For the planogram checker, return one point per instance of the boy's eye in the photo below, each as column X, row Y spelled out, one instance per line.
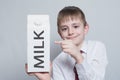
column 64, row 29
column 75, row 26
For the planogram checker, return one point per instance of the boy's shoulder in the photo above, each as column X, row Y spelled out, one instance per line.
column 94, row 42
column 95, row 45
column 61, row 58
column 61, row 55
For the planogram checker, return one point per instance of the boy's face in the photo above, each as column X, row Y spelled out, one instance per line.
column 73, row 29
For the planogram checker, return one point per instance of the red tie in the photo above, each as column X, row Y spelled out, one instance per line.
column 75, row 71
column 76, row 75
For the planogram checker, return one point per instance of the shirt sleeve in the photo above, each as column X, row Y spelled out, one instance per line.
column 94, row 67
column 57, row 73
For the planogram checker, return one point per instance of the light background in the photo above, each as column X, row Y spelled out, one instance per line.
column 103, row 17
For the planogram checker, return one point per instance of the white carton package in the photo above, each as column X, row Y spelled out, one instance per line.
column 38, row 43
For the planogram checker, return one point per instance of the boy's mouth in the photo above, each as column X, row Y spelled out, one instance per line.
column 72, row 37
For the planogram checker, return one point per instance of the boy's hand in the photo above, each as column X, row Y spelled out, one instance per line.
column 40, row 75
column 69, row 47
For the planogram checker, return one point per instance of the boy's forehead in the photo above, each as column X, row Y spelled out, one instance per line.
column 67, row 19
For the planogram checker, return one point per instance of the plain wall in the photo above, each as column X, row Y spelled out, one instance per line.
column 103, row 17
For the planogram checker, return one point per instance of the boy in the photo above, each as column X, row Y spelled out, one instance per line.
column 80, row 59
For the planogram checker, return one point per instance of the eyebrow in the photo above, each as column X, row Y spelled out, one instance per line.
column 63, row 26
column 71, row 24
column 76, row 24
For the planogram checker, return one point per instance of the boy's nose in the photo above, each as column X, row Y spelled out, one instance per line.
column 70, row 32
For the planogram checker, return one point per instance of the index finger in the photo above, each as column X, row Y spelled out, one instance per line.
column 58, row 42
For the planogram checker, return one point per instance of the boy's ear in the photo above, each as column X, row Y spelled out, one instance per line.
column 86, row 28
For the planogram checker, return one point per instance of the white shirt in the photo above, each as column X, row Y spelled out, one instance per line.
column 92, row 68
